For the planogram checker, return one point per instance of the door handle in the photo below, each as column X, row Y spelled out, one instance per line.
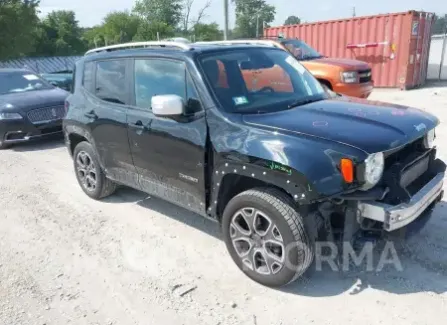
column 91, row 115
column 138, row 125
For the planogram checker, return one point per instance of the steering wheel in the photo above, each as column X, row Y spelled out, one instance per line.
column 267, row 88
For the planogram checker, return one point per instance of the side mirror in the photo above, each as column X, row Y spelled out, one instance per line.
column 167, row 105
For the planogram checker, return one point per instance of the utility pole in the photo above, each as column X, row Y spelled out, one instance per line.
column 226, row 19
column 353, row 12
column 257, row 25
column 444, row 45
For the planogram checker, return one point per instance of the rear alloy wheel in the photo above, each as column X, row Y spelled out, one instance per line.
column 266, row 237
column 86, row 170
column 89, row 174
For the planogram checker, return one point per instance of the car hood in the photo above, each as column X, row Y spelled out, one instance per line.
column 29, row 100
column 366, row 125
column 346, row 64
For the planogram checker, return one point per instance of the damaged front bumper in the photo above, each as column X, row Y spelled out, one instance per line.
column 398, row 216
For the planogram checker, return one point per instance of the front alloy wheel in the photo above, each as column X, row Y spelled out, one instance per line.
column 266, row 237
column 257, row 241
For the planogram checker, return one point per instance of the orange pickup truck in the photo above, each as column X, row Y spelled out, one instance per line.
column 344, row 76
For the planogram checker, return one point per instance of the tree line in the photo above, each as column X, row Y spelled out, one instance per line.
column 23, row 33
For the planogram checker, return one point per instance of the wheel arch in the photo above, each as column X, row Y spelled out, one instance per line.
column 74, row 135
column 326, row 83
column 232, row 178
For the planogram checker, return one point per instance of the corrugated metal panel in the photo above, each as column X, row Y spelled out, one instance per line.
column 399, row 60
column 43, row 64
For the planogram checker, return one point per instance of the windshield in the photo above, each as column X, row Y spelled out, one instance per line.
column 21, row 81
column 259, row 80
column 301, row 50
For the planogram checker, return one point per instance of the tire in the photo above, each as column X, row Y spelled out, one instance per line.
column 85, row 163
column 4, row 145
column 248, row 253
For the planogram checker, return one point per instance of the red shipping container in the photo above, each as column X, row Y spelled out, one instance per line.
column 395, row 45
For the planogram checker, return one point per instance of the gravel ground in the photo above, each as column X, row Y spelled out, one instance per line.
column 131, row 259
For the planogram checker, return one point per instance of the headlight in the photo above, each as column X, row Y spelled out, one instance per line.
column 350, row 77
column 429, row 139
column 373, row 169
column 10, row 116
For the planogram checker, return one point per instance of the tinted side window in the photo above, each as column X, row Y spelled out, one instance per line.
column 111, row 81
column 87, row 80
column 158, row 77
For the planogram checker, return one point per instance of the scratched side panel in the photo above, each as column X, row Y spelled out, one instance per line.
column 301, row 165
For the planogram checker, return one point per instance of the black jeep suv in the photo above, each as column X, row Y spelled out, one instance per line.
column 274, row 164
column 30, row 107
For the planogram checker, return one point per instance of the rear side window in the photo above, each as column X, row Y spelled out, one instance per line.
column 111, row 81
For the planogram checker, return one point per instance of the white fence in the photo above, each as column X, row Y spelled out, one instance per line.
column 437, row 60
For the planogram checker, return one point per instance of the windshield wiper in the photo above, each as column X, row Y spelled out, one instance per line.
column 303, row 101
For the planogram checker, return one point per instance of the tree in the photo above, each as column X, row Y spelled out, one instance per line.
column 119, row 27
column 206, row 32
column 18, row 21
column 59, row 34
column 292, row 20
column 186, row 16
column 168, row 12
column 440, row 24
column 94, row 36
column 252, row 13
column 148, row 31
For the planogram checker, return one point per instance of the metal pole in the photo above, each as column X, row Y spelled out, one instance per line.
column 425, row 46
column 158, row 36
column 444, row 44
column 441, row 64
column 416, row 51
column 428, row 21
column 226, row 20
column 257, row 26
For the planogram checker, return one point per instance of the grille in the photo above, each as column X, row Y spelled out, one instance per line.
column 402, row 154
column 46, row 114
column 365, row 76
column 407, row 170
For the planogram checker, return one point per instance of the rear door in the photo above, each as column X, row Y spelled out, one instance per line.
column 106, row 114
column 169, row 155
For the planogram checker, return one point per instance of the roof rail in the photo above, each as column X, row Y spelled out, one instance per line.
column 115, row 47
column 248, row 42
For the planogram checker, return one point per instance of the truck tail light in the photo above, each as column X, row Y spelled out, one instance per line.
column 347, row 170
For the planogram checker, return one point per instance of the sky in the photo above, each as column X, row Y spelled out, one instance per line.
column 90, row 13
